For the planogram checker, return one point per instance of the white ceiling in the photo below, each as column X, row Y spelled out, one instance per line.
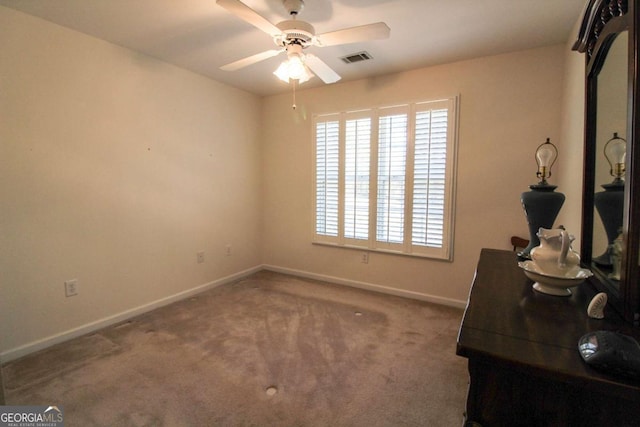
column 201, row 36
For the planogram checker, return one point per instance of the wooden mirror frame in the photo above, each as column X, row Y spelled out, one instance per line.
column 602, row 21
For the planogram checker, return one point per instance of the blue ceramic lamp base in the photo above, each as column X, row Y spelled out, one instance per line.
column 541, row 207
column 609, row 205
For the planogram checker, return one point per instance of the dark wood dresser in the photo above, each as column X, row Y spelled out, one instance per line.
column 522, row 347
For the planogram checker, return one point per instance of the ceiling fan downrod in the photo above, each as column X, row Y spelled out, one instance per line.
column 293, row 7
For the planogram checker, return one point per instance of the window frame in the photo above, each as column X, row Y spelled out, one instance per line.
column 407, row 247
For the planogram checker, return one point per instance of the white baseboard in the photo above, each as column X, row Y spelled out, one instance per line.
column 34, row 346
column 369, row 286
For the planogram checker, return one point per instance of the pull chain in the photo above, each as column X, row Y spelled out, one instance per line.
column 294, row 93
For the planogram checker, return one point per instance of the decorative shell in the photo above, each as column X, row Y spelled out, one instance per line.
column 596, row 306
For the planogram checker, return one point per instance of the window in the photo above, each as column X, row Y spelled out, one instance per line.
column 384, row 178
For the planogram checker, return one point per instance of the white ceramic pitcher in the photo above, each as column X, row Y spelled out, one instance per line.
column 554, row 256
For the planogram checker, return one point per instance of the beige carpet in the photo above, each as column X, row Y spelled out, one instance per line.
column 269, row 350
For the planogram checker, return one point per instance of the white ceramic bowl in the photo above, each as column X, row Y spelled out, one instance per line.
column 552, row 284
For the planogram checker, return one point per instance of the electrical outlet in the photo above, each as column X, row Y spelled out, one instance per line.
column 364, row 257
column 71, row 288
column 200, row 257
column 228, row 250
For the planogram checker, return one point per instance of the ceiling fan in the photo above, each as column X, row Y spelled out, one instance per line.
column 293, row 35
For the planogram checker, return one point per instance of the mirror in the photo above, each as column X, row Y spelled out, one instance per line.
column 610, row 151
column 610, row 244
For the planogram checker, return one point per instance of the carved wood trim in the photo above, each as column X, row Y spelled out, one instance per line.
column 600, row 13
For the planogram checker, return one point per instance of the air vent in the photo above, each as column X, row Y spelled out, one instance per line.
column 357, row 57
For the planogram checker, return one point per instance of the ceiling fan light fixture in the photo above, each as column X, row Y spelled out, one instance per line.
column 293, row 69
column 293, row 35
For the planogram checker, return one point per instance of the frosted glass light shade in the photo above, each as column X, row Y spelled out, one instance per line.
column 293, row 68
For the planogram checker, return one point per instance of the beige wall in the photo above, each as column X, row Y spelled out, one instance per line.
column 509, row 104
column 116, row 170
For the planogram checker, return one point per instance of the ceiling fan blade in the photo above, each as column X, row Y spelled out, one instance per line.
column 249, row 15
column 251, row 60
column 321, row 69
column 376, row 31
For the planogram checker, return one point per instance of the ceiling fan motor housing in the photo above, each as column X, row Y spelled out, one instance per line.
column 295, row 32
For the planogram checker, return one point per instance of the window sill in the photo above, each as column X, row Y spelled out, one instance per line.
column 382, row 251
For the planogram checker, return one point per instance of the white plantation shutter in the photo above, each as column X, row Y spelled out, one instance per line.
column 429, row 176
column 392, row 160
column 327, row 177
column 384, row 178
column 356, row 178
